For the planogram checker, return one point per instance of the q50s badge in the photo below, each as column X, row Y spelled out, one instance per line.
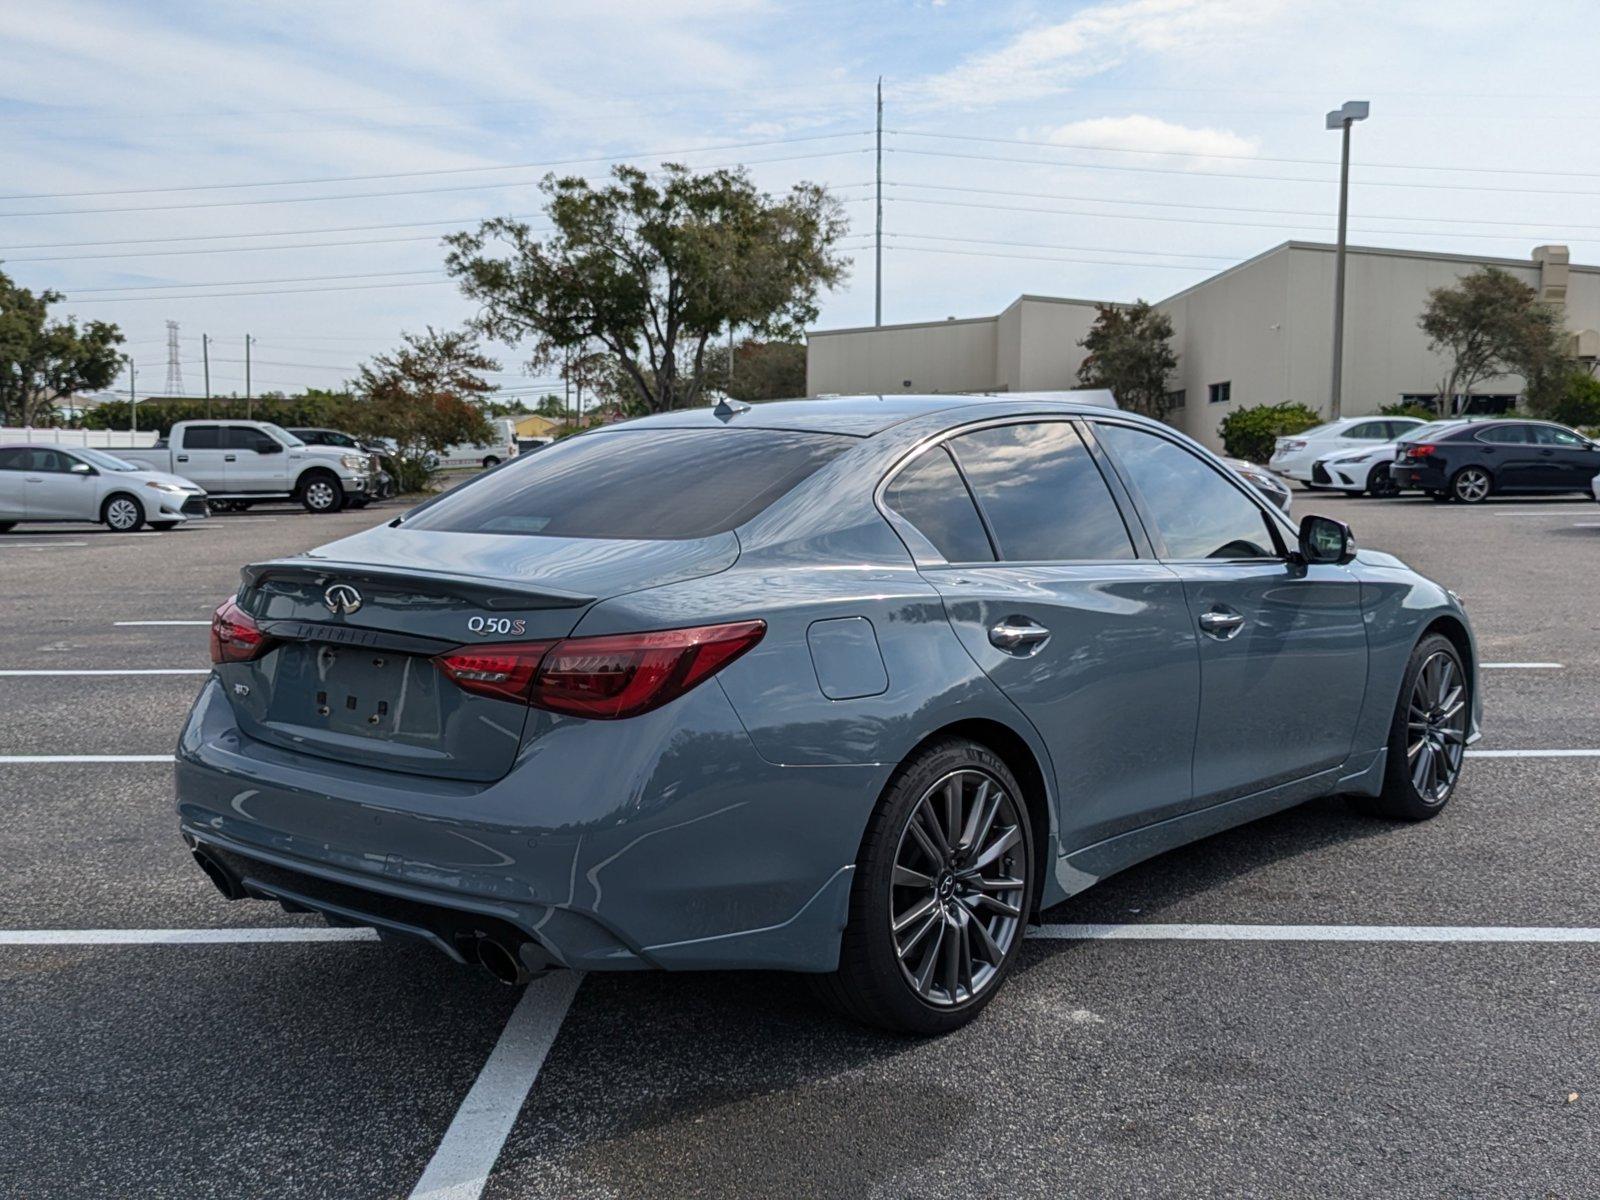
column 498, row 626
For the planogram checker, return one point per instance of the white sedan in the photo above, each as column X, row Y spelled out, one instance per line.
column 1297, row 454
column 50, row 482
column 1358, row 471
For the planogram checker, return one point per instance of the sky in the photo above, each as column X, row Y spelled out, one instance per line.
column 286, row 170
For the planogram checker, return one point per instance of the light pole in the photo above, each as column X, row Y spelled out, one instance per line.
column 1342, row 118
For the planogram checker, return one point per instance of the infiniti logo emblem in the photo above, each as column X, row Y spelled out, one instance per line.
column 342, row 598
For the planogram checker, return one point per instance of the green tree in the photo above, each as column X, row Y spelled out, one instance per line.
column 1489, row 324
column 551, row 406
column 1249, row 433
column 763, row 370
column 42, row 360
column 1575, row 402
column 651, row 268
column 425, row 396
column 1130, row 352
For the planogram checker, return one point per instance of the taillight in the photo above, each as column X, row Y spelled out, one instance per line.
column 607, row 677
column 504, row 672
column 235, row 636
column 1291, row 444
column 1420, row 450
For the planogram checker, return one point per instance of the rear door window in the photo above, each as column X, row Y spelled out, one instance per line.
column 1198, row 512
column 1368, row 431
column 650, row 484
column 1505, row 435
column 930, row 495
column 202, row 437
column 1042, row 493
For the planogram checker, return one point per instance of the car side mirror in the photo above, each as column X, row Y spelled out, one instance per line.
column 81, row 468
column 1324, row 540
column 269, row 448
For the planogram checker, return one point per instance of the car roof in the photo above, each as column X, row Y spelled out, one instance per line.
column 858, row 416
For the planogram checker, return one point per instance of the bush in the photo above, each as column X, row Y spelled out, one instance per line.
column 1422, row 411
column 1249, row 432
column 1578, row 402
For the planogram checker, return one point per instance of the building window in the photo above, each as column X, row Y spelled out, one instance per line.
column 1178, row 398
column 1221, row 393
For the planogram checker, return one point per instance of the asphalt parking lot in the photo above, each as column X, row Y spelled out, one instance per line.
column 1175, row 1031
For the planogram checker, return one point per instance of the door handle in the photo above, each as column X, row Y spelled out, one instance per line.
column 183, row 458
column 32, row 479
column 1019, row 635
column 230, row 458
column 1221, row 624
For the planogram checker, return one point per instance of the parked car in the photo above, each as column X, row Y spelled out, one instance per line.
column 41, row 481
column 1367, row 469
column 1296, row 455
column 1470, row 462
column 380, row 483
column 244, row 462
column 488, row 454
column 1264, row 481
column 852, row 687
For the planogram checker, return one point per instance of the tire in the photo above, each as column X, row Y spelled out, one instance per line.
column 164, row 526
column 121, row 513
column 1439, row 497
column 1471, row 485
column 982, row 927
column 1434, row 707
column 1381, row 484
column 490, row 461
column 320, row 492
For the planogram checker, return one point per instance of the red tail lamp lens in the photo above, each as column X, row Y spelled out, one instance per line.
column 1422, row 450
column 504, row 672
column 235, row 636
column 605, row 678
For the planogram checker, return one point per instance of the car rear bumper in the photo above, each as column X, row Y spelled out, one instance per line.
column 1415, row 478
column 681, row 849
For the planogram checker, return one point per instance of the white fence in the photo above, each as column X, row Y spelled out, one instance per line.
column 105, row 439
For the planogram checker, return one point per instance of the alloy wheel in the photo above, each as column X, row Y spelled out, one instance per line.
column 1472, row 485
column 1436, row 728
column 1381, row 483
column 959, row 887
column 320, row 495
column 122, row 514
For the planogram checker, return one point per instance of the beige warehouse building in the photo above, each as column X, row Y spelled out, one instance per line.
column 1257, row 333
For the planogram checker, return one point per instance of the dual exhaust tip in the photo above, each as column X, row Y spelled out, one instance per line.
column 502, row 958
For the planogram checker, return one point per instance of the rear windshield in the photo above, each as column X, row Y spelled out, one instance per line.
column 1432, row 429
column 649, row 484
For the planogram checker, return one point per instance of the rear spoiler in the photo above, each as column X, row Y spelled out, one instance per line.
column 490, row 593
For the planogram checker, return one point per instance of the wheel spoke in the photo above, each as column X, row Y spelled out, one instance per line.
column 906, row 877
column 924, row 977
column 977, row 826
column 1419, row 773
column 916, row 911
column 952, row 961
column 992, row 954
column 930, row 824
column 964, row 940
column 952, row 811
column 924, row 842
column 995, row 904
column 910, row 944
column 993, row 851
column 1004, row 884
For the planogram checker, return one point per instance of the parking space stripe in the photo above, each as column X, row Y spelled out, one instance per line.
column 161, row 622
column 1533, row 753
column 182, row 937
column 128, row 671
column 460, row 1167
column 85, row 758
column 1318, row 933
column 1530, row 666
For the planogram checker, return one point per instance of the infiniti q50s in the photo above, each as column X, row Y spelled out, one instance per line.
column 852, row 687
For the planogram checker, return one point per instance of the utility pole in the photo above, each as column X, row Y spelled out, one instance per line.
column 249, row 404
column 133, row 410
column 205, row 362
column 1341, row 119
column 877, row 286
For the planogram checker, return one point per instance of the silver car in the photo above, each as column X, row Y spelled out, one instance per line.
column 42, row 481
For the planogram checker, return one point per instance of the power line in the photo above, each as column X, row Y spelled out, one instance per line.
column 522, row 166
column 466, row 187
column 214, row 237
column 148, row 287
column 365, row 287
column 1094, row 262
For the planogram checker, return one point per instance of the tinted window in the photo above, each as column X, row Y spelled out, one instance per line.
column 1045, row 499
column 242, row 437
column 33, row 458
column 929, row 493
column 15, row 459
column 202, row 437
column 1198, row 513
column 1369, row 430
column 1506, row 435
column 1549, row 435
column 656, row 483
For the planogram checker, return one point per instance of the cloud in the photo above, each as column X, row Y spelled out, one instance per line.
column 1047, row 59
column 1137, row 132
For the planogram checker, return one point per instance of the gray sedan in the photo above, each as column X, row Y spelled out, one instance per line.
column 853, row 687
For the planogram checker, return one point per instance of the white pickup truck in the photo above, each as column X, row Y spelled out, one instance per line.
column 240, row 462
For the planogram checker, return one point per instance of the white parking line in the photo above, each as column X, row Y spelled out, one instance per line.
column 161, row 622
column 85, row 758
column 129, row 671
column 1521, row 666
column 1319, row 933
column 460, row 1167
column 1533, row 753
column 48, row 546
column 181, row 937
